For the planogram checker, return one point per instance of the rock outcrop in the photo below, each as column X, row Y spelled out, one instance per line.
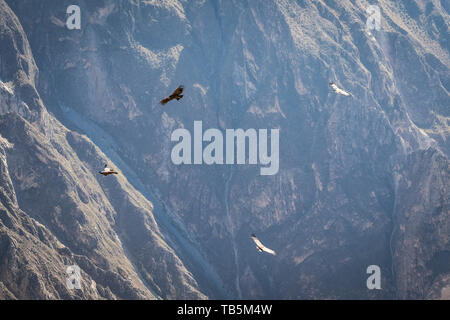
column 363, row 180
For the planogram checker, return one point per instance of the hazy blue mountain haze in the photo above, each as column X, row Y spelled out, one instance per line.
column 363, row 180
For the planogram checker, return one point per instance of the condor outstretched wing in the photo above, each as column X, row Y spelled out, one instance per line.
column 165, row 100
column 177, row 91
column 339, row 90
column 260, row 246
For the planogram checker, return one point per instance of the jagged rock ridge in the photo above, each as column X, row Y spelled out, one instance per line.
column 362, row 180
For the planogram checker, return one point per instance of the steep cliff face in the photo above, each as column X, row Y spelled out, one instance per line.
column 420, row 236
column 55, row 210
column 362, row 180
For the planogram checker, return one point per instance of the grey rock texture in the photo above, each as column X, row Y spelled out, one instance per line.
column 56, row 211
column 362, row 180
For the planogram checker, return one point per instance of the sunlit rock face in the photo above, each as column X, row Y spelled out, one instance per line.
column 55, row 210
column 362, row 180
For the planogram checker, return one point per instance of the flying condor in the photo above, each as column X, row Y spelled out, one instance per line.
column 260, row 246
column 339, row 90
column 177, row 94
column 107, row 171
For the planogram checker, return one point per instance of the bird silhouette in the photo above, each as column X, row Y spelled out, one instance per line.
column 177, row 94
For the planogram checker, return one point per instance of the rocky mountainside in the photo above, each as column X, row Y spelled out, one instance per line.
column 362, row 180
column 57, row 212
